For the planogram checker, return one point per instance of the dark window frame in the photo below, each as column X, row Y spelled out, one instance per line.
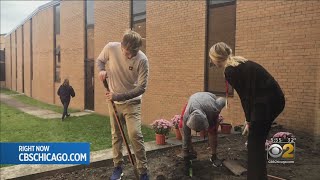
column 16, row 53
column 3, row 61
column 31, row 57
column 31, row 50
column 22, row 31
column 11, row 61
column 86, row 49
column 87, row 26
column 57, row 28
column 133, row 22
column 87, row 14
column 56, row 52
column 132, row 15
column 207, row 58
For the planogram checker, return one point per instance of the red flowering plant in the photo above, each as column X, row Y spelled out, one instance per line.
column 161, row 126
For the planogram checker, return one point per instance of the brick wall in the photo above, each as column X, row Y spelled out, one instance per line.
column 284, row 38
column 43, row 86
column 176, row 53
column 72, row 48
column 111, row 20
column 8, row 62
column 27, row 60
column 19, row 59
column 57, row 100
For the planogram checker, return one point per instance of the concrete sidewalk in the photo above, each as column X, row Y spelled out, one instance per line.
column 32, row 110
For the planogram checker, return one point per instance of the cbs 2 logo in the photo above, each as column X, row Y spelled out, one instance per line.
column 286, row 151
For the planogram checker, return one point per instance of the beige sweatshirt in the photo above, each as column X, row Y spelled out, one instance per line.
column 127, row 78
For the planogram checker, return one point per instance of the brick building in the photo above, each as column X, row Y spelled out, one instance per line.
column 2, row 61
column 62, row 39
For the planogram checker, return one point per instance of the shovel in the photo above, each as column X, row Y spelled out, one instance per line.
column 115, row 113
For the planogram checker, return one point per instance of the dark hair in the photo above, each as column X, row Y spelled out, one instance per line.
column 66, row 82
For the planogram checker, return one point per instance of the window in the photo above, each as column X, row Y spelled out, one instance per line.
column 57, row 64
column 221, row 27
column 2, row 65
column 31, row 52
column 90, row 29
column 22, row 29
column 11, row 60
column 16, row 54
column 57, row 19
column 138, row 20
column 56, row 42
column 89, row 55
column 90, row 12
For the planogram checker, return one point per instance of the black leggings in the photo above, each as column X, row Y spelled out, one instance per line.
column 263, row 114
column 65, row 107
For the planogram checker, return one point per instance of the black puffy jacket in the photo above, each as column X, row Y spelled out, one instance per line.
column 65, row 92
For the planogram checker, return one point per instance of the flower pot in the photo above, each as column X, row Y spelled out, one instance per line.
column 225, row 128
column 178, row 134
column 160, row 139
column 203, row 133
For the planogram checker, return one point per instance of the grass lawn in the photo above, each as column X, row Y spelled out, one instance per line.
column 33, row 102
column 7, row 91
column 17, row 126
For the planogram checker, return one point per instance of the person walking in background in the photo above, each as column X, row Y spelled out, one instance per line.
column 65, row 92
column 127, row 72
column 261, row 97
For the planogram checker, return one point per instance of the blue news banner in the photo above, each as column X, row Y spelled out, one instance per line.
column 45, row 153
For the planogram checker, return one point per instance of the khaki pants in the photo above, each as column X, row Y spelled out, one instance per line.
column 130, row 116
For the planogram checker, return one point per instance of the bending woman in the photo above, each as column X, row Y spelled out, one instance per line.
column 262, row 101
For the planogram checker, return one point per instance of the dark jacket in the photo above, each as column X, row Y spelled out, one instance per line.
column 254, row 84
column 65, row 92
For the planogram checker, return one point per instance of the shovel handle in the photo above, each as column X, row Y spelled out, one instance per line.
column 115, row 113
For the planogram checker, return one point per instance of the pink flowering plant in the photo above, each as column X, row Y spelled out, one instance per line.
column 161, row 126
column 175, row 121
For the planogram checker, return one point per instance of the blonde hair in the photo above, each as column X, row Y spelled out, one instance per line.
column 221, row 52
column 132, row 41
column 66, row 82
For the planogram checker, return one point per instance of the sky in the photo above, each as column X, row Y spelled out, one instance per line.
column 14, row 12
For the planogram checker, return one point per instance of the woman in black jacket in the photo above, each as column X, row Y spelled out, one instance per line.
column 65, row 92
column 261, row 97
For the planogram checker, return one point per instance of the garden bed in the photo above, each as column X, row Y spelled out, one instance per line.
column 166, row 165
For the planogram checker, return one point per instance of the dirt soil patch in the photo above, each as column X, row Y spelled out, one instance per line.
column 166, row 165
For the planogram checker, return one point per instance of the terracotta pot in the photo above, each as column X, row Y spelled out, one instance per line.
column 178, row 134
column 160, row 139
column 225, row 128
column 203, row 133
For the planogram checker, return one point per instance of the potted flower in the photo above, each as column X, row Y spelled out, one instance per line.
column 175, row 122
column 225, row 127
column 162, row 128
